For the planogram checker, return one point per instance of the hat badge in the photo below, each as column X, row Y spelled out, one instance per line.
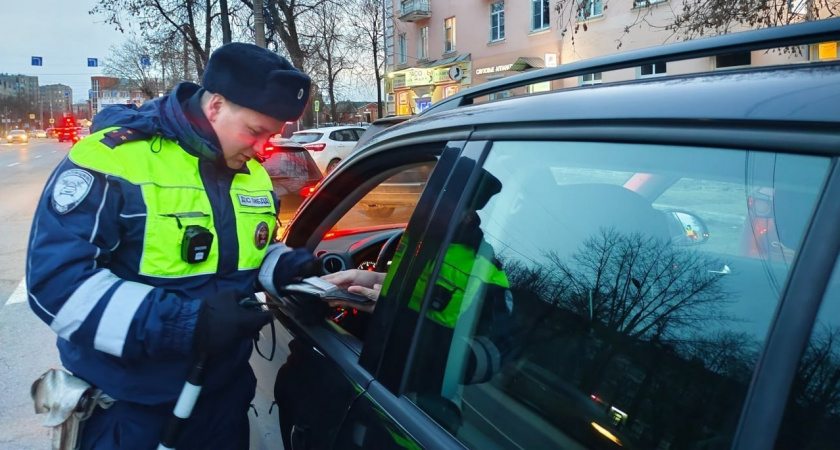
column 300, row 94
column 261, row 235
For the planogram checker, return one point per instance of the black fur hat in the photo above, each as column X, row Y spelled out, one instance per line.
column 257, row 79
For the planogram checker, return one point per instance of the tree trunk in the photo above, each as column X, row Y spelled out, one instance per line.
column 223, row 6
column 259, row 23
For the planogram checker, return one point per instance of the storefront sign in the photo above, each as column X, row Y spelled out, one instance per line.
column 399, row 82
column 418, row 77
column 501, row 68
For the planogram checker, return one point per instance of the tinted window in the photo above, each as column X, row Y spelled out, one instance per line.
column 305, row 138
column 813, row 410
column 572, row 310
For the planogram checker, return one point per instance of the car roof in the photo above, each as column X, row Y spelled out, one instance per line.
column 326, row 129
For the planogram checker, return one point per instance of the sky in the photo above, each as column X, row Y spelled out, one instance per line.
column 60, row 31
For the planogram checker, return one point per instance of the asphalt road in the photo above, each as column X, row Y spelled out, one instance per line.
column 27, row 345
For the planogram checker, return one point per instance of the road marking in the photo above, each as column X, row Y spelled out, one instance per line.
column 19, row 295
column 38, row 156
column 12, row 164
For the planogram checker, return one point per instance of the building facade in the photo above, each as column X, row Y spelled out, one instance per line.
column 436, row 48
column 56, row 100
column 106, row 91
column 18, row 85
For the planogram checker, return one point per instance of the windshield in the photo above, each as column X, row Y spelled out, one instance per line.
column 306, row 138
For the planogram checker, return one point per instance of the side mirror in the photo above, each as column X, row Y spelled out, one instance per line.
column 686, row 228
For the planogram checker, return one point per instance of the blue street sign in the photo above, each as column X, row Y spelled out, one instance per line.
column 37, row 61
column 145, row 61
column 93, row 62
column 67, row 94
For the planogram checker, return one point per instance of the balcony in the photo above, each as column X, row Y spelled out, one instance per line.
column 414, row 10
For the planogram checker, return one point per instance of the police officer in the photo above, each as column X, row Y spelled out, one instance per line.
column 147, row 237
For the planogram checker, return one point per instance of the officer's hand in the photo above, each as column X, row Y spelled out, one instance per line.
column 282, row 265
column 223, row 323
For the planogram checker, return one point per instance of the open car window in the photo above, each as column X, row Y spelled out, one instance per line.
column 624, row 308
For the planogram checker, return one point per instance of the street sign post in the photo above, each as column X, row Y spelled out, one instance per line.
column 37, row 61
column 145, row 60
column 52, row 120
column 93, row 62
column 32, row 117
column 317, row 107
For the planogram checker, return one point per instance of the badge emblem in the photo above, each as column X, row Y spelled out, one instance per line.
column 261, row 235
column 70, row 189
column 300, row 94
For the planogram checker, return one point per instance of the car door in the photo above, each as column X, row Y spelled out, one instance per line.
column 614, row 324
column 321, row 376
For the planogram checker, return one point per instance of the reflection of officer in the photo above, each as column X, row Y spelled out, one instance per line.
column 690, row 233
column 148, row 235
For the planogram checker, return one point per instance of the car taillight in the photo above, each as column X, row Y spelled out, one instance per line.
column 315, row 147
column 307, row 191
column 268, row 148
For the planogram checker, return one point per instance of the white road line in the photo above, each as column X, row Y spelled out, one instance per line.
column 19, row 295
column 12, row 164
column 38, row 156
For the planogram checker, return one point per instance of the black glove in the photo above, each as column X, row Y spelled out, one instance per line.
column 282, row 265
column 223, row 323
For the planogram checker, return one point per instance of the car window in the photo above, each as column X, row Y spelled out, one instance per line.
column 587, row 312
column 812, row 409
column 306, row 138
column 391, row 202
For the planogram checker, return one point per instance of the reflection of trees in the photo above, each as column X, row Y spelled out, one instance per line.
column 635, row 322
column 639, row 287
column 813, row 411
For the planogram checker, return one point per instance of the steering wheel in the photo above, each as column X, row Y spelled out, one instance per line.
column 387, row 252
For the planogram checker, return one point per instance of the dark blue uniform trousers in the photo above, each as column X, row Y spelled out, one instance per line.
column 218, row 421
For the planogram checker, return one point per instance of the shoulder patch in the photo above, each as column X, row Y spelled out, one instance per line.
column 71, row 187
column 122, row 136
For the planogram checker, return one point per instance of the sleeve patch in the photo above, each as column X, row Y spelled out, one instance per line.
column 71, row 187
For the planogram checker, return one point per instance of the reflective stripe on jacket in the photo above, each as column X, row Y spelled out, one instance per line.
column 460, row 264
column 105, row 270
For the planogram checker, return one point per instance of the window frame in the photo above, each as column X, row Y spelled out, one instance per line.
column 733, row 56
column 589, row 6
column 423, row 43
column 654, row 73
column 449, row 36
column 497, row 32
column 594, row 78
column 540, row 11
column 402, row 48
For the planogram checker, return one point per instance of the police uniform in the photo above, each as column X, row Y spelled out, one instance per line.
column 136, row 225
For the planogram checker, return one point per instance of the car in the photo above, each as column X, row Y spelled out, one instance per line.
column 78, row 134
column 40, row 134
column 664, row 275
column 17, row 136
column 293, row 173
column 329, row 145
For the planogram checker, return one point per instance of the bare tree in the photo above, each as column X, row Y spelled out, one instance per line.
column 334, row 53
column 126, row 62
column 688, row 19
column 194, row 20
column 366, row 17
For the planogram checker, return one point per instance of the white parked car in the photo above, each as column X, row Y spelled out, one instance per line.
column 330, row 145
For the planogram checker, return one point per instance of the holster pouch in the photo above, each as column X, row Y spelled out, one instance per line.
column 67, row 401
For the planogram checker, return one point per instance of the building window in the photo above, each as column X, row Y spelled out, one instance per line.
column 539, row 14
column 449, row 35
column 590, row 79
column 590, row 9
column 423, row 44
column 401, row 49
column 733, row 60
column 643, row 3
column 653, row 70
column 497, row 21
